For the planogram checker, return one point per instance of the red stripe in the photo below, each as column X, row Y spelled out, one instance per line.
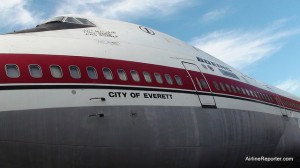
column 23, row 60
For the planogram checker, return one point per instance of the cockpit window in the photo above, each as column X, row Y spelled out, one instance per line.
column 72, row 20
column 85, row 21
column 56, row 19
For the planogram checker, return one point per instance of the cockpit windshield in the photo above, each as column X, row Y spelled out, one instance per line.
column 73, row 20
column 60, row 23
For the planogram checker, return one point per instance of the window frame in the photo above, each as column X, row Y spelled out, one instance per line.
column 123, row 73
column 18, row 70
column 94, row 70
column 61, row 71
column 199, row 83
column 205, row 85
column 233, row 89
column 158, row 76
column 39, row 67
column 223, row 87
column 110, row 72
column 228, row 87
column 244, row 92
column 178, row 80
column 78, row 71
column 217, row 87
column 169, row 79
column 148, row 79
column 137, row 75
column 239, row 90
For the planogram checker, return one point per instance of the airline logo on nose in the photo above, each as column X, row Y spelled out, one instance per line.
column 147, row 30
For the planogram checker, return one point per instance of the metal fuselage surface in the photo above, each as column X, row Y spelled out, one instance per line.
column 122, row 95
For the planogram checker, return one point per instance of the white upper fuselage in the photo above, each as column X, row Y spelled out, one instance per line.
column 123, row 41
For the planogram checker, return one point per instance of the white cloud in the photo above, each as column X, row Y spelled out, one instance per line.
column 289, row 85
column 241, row 48
column 120, row 8
column 214, row 15
column 14, row 12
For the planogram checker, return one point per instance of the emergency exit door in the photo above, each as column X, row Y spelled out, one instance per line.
column 201, row 85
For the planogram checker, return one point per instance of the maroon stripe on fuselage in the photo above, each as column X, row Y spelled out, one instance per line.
column 45, row 61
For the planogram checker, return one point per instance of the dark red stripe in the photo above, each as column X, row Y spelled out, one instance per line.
column 23, row 60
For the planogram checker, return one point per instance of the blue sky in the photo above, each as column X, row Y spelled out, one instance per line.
column 259, row 37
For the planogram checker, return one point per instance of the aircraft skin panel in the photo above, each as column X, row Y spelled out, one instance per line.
column 142, row 136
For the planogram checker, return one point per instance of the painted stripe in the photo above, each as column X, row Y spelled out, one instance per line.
column 23, row 60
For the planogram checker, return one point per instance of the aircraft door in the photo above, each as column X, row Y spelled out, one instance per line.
column 283, row 111
column 278, row 100
column 200, row 84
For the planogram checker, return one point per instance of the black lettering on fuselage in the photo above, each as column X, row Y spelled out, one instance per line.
column 117, row 94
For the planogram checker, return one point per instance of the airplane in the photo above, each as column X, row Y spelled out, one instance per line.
column 85, row 92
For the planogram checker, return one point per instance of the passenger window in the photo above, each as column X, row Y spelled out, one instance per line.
column 228, row 87
column 12, row 71
column 178, row 80
column 92, row 73
column 56, row 71
column 135, row 76
column 267, row 96
column 251, row 94
column 74, row 72
column 222, row 87
column 158, row 78
column 35, row 71
column 199, row 84
column 147, row 77
column 261, row 96
column 258, row 96
column 264, row 96
column 239, row 90
column 243, row 91
column 254, row 92
column 107, row 73
column 247, row 91
column 204, row 84
column 233, row 88
column 169, row 79
column 122, row 75
column 216, row 85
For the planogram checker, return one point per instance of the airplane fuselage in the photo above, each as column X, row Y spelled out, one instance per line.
column 114, row 94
